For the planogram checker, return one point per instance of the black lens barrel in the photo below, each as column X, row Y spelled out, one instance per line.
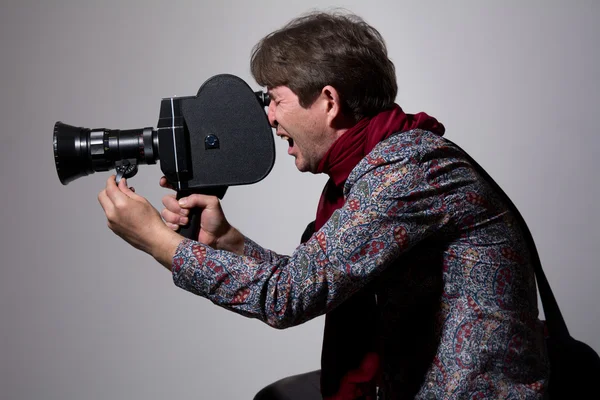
column 80, row 151
column 110, row 145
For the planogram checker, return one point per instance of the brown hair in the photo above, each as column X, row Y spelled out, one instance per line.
column 320, row 49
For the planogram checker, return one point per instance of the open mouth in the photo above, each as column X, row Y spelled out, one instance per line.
column 289, row 140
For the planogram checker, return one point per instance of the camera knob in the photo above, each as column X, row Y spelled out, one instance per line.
column 125, row 169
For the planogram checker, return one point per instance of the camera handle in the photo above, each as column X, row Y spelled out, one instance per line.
column 192, row 229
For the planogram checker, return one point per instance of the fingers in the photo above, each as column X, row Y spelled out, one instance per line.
column 114, row 194
column 173, row 214
column 195, row 200
column 105, row 202
column 199, row 200
column 173, row 220
column 171, row 204
column 129, row 192
column 164, row 183
column 117, row 196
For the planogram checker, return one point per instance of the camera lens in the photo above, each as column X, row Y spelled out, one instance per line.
column 81, row 151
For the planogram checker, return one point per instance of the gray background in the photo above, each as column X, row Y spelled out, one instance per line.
column 84, row 316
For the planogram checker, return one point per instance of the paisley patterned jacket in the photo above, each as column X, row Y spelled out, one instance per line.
column 455, row 287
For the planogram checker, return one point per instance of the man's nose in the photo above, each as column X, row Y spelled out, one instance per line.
column 271, row 115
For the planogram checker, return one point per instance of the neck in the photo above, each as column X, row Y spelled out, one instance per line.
column 342, row 124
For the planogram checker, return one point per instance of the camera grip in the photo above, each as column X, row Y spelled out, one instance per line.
column 192, row 228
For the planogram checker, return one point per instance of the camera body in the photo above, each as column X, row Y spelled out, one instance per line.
column 219, row 138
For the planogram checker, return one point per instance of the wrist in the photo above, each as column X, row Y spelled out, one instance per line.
column 232, row 241
column 164, row 245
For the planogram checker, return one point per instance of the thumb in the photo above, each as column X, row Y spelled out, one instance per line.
column 127, row 190
column 199, row 200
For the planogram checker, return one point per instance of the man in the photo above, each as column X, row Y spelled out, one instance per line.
column 424, row 276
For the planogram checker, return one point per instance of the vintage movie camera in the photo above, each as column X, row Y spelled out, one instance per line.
column 205, row 143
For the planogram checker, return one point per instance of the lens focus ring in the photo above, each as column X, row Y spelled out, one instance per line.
column 97, row 150
column 97, row 143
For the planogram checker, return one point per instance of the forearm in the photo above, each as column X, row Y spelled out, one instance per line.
column 375, row 226
column 244, row 284
column 163, row 249
column 164, row 246
column 254, row 250
column 232, row 241
column 281, row 291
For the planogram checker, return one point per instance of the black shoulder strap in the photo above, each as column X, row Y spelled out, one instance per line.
column 557, row 327
column 308, row 232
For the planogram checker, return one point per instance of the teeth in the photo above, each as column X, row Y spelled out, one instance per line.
column 287, row 139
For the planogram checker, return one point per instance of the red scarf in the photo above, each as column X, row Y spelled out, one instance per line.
column 349, row 359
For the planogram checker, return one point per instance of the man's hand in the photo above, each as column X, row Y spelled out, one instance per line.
column 135, row 220
column 215, row 230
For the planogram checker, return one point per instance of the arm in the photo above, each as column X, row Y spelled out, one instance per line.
column 261, row 254
column 136, row 221
column 215, row 229
column 379, row 221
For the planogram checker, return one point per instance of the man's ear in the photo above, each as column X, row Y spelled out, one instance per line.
column 331, row 98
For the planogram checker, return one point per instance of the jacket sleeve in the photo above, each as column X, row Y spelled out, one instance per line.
column 388, row 210
column 261, row 254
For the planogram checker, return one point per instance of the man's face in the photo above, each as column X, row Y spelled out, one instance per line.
column 306, row 129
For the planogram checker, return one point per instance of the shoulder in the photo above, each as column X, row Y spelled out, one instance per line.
column 409, row 146
column 408, row 156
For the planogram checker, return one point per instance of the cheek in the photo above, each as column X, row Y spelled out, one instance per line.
column 281, row 117
column 271, row 113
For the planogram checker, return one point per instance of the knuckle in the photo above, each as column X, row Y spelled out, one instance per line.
column 206, row 201
column 170, row 202
column 172, row 210
column 173, row 218
column 120, row 204
column 167, row 215
column 213, row 202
